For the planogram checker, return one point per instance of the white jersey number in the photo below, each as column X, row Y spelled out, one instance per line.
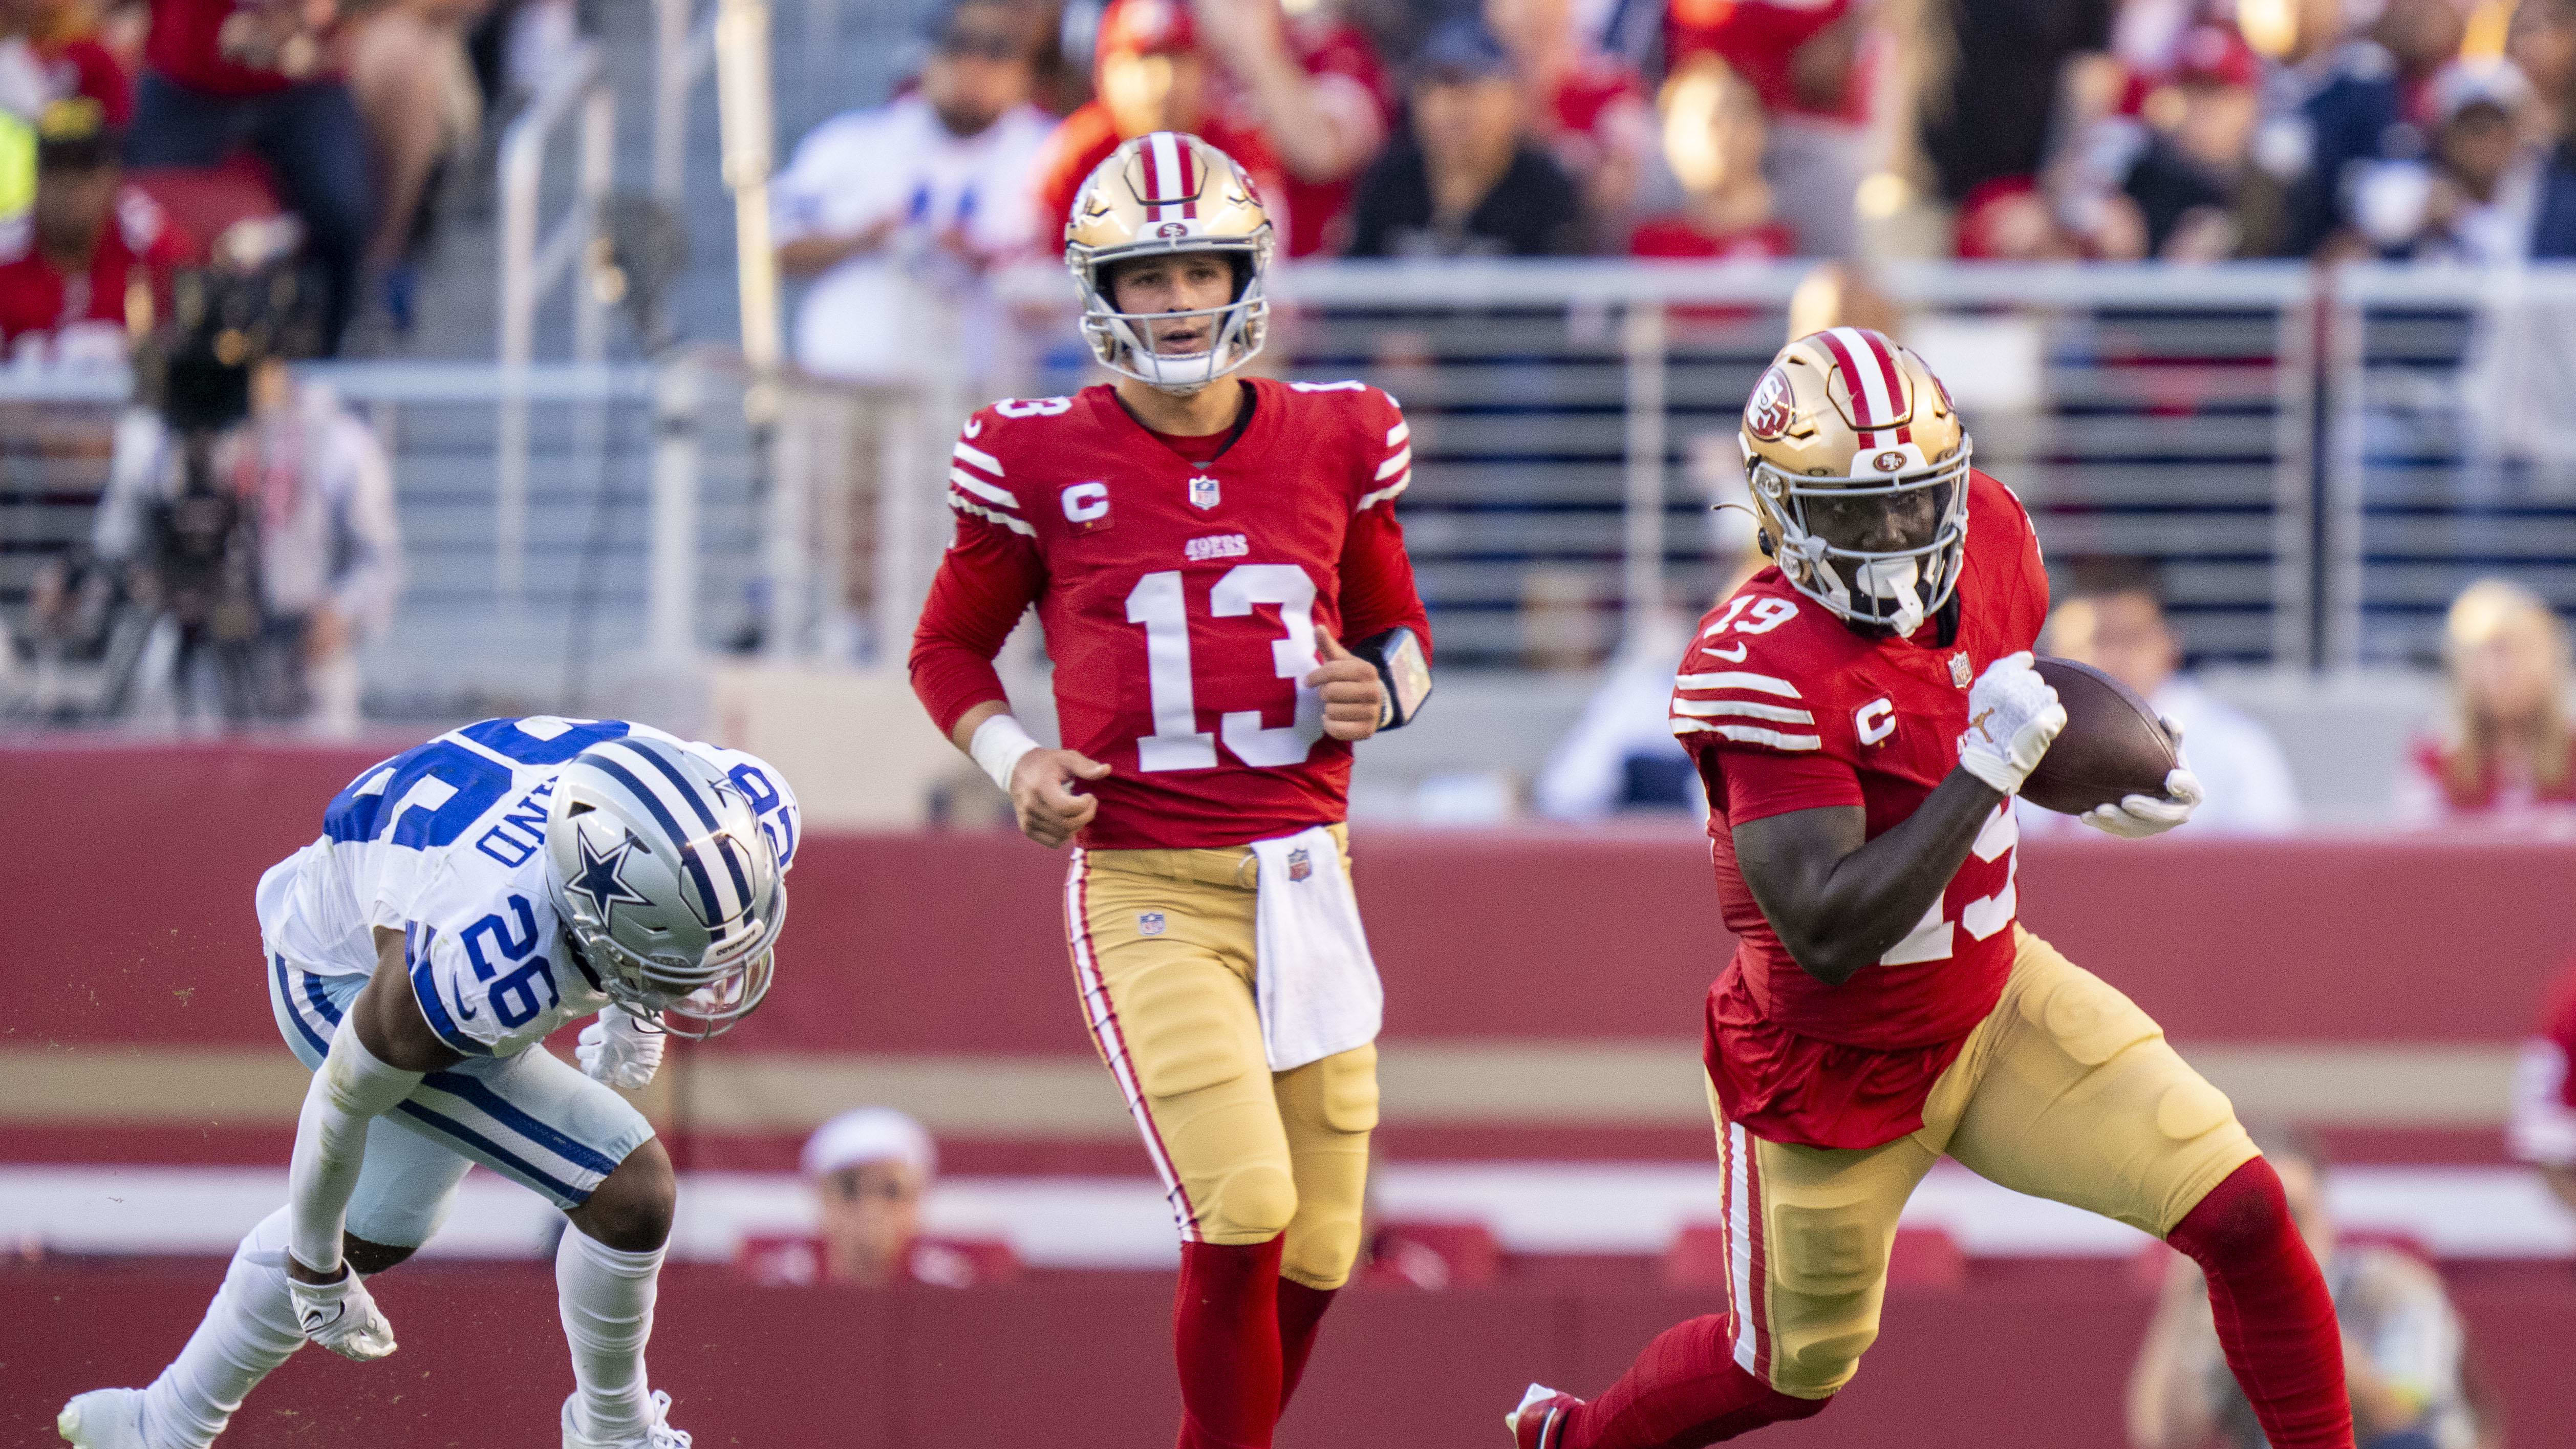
column 1936, row 938
column 1177, row 743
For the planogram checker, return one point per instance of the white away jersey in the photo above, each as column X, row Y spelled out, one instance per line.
column 445, row 842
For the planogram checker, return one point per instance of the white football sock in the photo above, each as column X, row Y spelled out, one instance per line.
column 349, row 1093
column 607, row 1299
column 247, row 1332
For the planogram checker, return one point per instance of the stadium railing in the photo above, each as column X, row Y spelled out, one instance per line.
column 2318, row 461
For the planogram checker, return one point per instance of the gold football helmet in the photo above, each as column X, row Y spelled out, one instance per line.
column 1162, row 193
column 1858, row 466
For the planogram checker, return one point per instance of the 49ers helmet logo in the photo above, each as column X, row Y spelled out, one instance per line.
column 1888, row 462
column 1772, row 408
column 1172, row 229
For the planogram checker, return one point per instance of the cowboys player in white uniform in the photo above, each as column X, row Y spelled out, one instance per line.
column 466, row 898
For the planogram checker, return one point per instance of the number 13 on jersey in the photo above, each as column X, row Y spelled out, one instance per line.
column 1159, row 603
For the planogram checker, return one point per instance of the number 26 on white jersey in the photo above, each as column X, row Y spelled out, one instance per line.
column 1177, row 743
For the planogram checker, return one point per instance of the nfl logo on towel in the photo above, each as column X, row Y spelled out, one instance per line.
column 1203, row 492
column 1149, row 923
column 1300, row 864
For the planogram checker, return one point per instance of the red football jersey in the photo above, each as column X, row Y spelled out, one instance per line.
column 1785, row 708
column 1180, row 599
column 43, row 311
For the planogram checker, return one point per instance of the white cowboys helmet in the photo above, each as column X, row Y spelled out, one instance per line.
column 666, row 881
column 1160, row 194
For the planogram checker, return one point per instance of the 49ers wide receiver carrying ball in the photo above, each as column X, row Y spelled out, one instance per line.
column 1197, row 544
column 1862, row 713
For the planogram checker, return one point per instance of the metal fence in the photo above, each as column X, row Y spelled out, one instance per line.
column 2317, row 461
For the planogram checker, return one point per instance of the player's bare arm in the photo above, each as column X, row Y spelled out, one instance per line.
column 1840, row 901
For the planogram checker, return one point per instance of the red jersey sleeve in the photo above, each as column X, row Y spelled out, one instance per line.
column 990, row 575
column 1378, row 591
column 1765, row 731
column 2541, row 1127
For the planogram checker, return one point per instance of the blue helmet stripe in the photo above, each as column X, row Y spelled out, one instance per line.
column 690, row 790
column 661, row 816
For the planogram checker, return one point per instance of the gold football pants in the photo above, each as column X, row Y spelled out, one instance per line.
column 1163, row 954
column 2065, row 1091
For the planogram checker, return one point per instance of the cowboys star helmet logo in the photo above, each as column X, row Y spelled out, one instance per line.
column 599, row 880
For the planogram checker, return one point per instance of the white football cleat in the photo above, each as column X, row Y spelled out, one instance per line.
column 1539, row 1421
column 342, row 1317
column 103, row 1419
column 658, row 1434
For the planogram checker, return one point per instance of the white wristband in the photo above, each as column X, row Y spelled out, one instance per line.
column 997, row 745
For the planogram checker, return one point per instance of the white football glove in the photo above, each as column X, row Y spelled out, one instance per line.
column 2013, row 714
column 342, row 1317
column 619, row 1050
column 2135, row 817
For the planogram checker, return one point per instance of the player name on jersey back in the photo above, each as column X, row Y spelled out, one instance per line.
column 445, row 842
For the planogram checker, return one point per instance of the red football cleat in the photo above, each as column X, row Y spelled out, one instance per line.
column 1539, row 1422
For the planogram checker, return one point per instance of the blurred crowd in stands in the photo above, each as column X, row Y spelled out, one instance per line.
column 138, row 137
column 2116, row 130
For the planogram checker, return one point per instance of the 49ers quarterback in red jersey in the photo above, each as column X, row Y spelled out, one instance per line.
column 1862, row 714
column 1198, row 547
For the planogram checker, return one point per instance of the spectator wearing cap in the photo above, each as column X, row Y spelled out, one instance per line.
column 2113, row 618
column 1464, row 180
column 222, row 74
column 2541, row 1128
column 2471, row 200
column 2194, row 193
column 887, row 206
column 87, row 268
column 1587, row 107
column 869, row 1168
column 2507, row 754
column 1312, row 86
column 1713, row 134
column 1150, row 73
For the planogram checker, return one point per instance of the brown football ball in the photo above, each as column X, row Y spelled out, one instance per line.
column 2113, row 744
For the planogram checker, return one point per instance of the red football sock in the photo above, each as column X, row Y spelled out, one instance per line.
column 1684, row 1391
column 1225, row 1331
column 1301, row 1310
column 2274, row 1318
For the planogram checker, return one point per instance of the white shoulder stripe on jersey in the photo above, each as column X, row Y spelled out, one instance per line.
column 1397, row 434
column 1750, row 734
column 1010, row 521
column 1737, row 679
column 1395, row 465
column 1371, row 500
column 1781, row 712
column 967, row 453
column 982, row 489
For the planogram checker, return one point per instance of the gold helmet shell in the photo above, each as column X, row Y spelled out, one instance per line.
column 1162, row 193
column 1840, row 417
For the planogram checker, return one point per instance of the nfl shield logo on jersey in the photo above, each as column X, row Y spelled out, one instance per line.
column 1959, row 669
column 1203, row 492
column 1300, row 864
column 1149, row 923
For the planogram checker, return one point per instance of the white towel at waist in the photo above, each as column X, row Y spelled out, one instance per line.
column 1313, row 978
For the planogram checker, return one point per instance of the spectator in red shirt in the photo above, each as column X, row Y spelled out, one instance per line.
column 1809, row 62
column 2542, row 1127
column 2508, row 755
column 225, row 73
column 89, row 266
column 1314, row 89
column 1150, row 74
column 1713, row 136
column 68, row 58
column 1587, row 107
